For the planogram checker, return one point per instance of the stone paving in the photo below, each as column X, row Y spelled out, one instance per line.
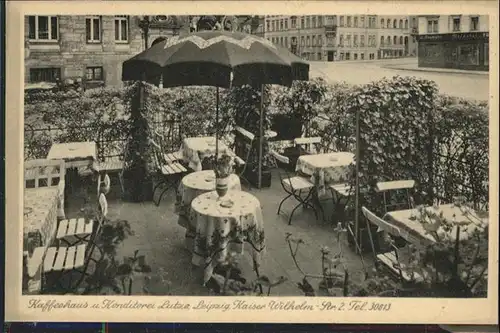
column 161, row 239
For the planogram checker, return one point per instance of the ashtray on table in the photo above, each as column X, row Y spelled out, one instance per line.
column 227, row 203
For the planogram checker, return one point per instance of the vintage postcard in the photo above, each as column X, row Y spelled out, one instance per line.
column 329, row 162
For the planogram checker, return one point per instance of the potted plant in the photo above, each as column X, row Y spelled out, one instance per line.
column 223, row 169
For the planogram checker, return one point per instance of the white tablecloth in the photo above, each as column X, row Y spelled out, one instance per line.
column 75, row 154
column 408, row 221
column 325, row 169
column 194, row 150
column 40, row 215
column 197, row 183
column 221, row 230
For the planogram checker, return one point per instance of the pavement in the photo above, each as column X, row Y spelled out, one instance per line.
column 464, row 84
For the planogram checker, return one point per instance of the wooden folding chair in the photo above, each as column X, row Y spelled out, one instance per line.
column 392, row 258
column 311, row 144
column 294, row 186
column 60, row 261
column 396, row 188
column 168, row 167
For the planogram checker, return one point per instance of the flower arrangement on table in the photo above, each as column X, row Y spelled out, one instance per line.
column 223, row 169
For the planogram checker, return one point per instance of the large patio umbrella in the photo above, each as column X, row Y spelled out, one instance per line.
column 217, row 58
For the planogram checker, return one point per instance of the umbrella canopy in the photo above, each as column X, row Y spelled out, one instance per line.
column 216, row 58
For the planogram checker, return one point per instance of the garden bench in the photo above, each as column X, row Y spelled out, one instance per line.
column 294, row 186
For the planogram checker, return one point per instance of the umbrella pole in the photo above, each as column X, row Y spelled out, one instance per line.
column 217, row 125
column 261, row 134
column 356, row 206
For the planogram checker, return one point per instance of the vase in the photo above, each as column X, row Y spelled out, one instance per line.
column 221, row 186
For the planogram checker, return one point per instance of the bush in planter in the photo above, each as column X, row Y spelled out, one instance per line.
column 300, row 102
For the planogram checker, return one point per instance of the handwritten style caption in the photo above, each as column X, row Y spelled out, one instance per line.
column 209, row 306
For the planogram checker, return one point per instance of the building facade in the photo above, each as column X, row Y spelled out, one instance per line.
column 342, row 37
column 88, row 48
column 454, row 41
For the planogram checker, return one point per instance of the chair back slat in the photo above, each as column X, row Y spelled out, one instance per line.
column 384, row 225
column 309, row 142
column 279, row 157
column 394, row 185
column 43, row 173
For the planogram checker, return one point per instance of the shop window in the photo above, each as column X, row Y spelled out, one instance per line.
column 468, row 54
column 355, row 56
column 348, row 56
column 486, row 54
column 44, row 28
column 474, row 23
column 319, row 55
column 94, row 74
column 362, row 56
column 44, row 74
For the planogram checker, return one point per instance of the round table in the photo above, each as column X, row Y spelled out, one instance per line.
column 221, row 230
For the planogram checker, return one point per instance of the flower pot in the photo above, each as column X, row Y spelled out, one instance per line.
column 221, row 186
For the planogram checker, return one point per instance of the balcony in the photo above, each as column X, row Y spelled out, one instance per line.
column 330, row 29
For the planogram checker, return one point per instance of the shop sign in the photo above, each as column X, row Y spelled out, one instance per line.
column 453, row 37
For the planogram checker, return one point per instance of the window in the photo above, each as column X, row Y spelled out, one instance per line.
column 401, row 40
column 388, row 40
column 348, row 56
column 381, row 40
column 308, row 22
column 400, row 24
column 282, row 25
column 388, row 23
column 362, row 40
column 394, row 24
column 286, row 41
column 268, row 26
column 413, row 23
column 362, row 56
column 121, row 28
column 93, row 29
column 349, row 21
column 43, row 28
column 314, row 41
column 341, row 41
column 314, row 22
column 432, row 26
column 341, row 21
column 356, row 22
column 294, row 22
column 362, row 21
column 406, row 23
column 348, row 40
column 320, row 22
column 355, row 41
column 456, row 24
column 302, row 41
column 382, row 23
column 281, row 41
column 44, row 74
column 319, row 55
column 93, row 74
column 395, row 40
column 286, row 24
column 320, row 40
column 308, row 41
column 355, row 56
column 486, row 61
column 474, row 23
